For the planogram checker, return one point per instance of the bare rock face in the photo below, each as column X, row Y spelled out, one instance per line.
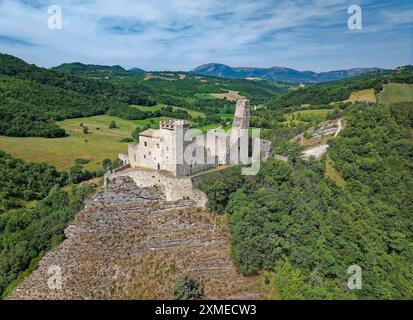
column 129, row 243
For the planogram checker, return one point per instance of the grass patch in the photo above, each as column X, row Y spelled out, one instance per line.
column 230, row 95
column 366, row 95
column 332, row 173
column 223, row 115
column 396, row 92
column 95, row 146
column 316, row 116
column 209, row 126
column 204, row 96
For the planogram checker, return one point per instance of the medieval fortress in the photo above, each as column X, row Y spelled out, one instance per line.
column 171, row 156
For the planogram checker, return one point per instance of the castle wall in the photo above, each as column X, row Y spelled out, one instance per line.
column 174, row 188
column 149, row 152
column 165, row 150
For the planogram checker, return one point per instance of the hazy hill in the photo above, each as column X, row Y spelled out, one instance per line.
column 137, row 70
column 277, row 73
column 93, row 70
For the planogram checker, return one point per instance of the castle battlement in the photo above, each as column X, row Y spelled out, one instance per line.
column 171, row 124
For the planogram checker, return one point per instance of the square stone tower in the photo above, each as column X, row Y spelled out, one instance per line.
column 172, row 133
column 239, row 132
column 242, row 115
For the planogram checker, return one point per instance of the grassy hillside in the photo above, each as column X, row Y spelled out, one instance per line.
column 342, row 90
column 366, row 95
column 62, row 152
column 32, row 99
column 316, row 115
column 395, row 92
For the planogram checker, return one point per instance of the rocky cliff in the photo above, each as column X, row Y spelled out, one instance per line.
column 130, row 243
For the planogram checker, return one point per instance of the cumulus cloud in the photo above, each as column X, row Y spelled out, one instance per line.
column 181, row 34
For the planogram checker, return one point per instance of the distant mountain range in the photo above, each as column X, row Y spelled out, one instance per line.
column 277, row 73
column 222, row 70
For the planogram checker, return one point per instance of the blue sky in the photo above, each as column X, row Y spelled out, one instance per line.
column 182, row 34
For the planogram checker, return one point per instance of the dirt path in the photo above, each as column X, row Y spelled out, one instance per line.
column 317, row 152
column 340, row 127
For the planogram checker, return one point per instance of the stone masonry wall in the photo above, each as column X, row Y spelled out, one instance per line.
column 174, row 188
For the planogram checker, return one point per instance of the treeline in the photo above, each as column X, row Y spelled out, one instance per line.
column 293, row 220
column 30, row 109
column 192, row 92
column 33, row 213
column 33, row 98
column 27, row 234
column 23, row 181
column 91, row 70
column 133, row 113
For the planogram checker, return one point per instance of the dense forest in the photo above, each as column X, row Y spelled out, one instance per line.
column 33, row 214
column 23, row 181
column 27, row 234
column 91, row 70
column 32, row 99
column 293, row 220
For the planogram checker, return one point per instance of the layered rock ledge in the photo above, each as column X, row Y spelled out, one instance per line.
column 130, row 243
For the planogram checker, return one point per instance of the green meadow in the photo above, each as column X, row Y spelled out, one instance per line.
column 317, row 116
column 395, row 92
column 100, row 143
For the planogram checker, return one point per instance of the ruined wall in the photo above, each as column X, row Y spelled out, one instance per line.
column 167, row 150
column 174, row 188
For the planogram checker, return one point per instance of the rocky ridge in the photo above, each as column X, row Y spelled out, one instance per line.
column 129, row 243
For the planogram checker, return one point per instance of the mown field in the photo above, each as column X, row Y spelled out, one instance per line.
column 367, row 95
column 396, row 92
column 317, row 115
column 100, row 143
column 231, row 95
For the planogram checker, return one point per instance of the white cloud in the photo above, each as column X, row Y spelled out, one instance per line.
column 177, row 34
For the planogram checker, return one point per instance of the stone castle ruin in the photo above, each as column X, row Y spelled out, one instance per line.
column 177, row 149
column 174, row 157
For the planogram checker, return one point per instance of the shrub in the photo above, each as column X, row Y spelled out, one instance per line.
column 185, row 288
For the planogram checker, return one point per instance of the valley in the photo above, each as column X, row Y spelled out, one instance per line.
column 259, row 237
column 98, row 144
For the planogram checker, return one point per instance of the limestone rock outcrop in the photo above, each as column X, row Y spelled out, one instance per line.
column 130, row 243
